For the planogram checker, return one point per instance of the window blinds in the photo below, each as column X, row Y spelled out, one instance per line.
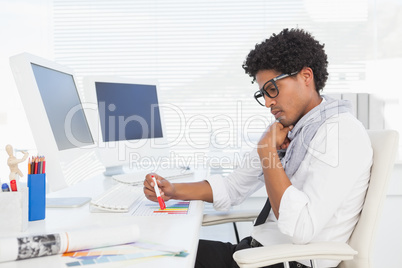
column 195, row 50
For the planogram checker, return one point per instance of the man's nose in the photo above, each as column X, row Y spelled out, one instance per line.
column 269, row 101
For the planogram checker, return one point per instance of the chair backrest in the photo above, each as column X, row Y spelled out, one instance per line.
column 385, row 145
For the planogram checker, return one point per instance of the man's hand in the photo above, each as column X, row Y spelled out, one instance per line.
column 166, row 188
column 276, row 180
column 274, row 137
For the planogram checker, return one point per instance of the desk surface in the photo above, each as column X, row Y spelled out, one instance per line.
column 178, row 231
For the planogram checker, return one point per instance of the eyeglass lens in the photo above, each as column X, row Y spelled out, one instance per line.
column 269, row 89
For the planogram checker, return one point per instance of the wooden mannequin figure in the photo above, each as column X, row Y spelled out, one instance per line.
column 13, row 162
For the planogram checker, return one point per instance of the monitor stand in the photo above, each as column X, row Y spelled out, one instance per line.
column 115, row 170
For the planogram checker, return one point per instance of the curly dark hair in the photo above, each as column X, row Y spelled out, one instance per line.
column 287, row 52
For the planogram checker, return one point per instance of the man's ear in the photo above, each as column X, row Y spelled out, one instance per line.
column 307, row 76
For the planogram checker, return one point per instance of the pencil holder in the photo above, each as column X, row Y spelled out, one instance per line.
column 14, row 211
column 37, row 197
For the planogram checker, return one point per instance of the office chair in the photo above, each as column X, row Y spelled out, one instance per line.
column 356, row 253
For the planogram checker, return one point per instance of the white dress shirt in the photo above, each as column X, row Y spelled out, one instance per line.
column 327, row 192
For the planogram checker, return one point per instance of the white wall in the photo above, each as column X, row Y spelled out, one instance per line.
column 25, row 26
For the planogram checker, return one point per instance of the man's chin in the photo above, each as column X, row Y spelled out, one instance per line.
column 284, row 122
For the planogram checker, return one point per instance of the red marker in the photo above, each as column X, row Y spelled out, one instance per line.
column 13, row 185
column 158, row 195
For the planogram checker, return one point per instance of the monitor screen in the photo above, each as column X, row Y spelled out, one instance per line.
column 128, row 111
column 63, row 108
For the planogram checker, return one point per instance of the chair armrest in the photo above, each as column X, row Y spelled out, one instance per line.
column 263, row 256
column 231, row 216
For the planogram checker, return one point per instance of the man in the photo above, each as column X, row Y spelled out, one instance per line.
column 315, row 159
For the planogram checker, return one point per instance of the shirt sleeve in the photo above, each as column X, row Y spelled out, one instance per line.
column 335, row 169
column 240, row 184
column 293, row 201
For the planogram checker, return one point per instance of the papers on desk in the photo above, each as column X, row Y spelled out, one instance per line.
column 132, row 253
column 90, row 246
column 19, row 248
column 173, row 207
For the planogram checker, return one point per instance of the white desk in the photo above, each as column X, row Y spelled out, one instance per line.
column 179, row 230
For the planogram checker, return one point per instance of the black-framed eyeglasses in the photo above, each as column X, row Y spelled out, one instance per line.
column 270, row 89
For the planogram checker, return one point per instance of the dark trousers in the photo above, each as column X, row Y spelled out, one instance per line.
column 216, row 254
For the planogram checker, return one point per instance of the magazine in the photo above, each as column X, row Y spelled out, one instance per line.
column 20, row 248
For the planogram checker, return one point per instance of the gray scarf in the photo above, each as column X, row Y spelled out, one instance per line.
column 305, row 129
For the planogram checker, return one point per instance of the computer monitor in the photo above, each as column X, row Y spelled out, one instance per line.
column 58, row 122
column 127, row 123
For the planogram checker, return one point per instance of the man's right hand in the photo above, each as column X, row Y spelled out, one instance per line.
column 200, row 190
column 275, row 137
column 166, row 188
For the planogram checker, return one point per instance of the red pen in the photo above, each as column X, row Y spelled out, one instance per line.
column 158, row 195
column 13, row 185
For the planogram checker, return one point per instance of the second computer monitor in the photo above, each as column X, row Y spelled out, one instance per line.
column 127, row 121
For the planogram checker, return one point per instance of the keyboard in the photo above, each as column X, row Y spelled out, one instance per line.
column 119, row 198
column 138, row 178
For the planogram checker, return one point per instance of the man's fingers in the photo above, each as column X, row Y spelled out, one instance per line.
column 150, row 194
column 148, row 186
column 149, row 179
column 148, row 191
column 289, row 128
column 148, row 182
